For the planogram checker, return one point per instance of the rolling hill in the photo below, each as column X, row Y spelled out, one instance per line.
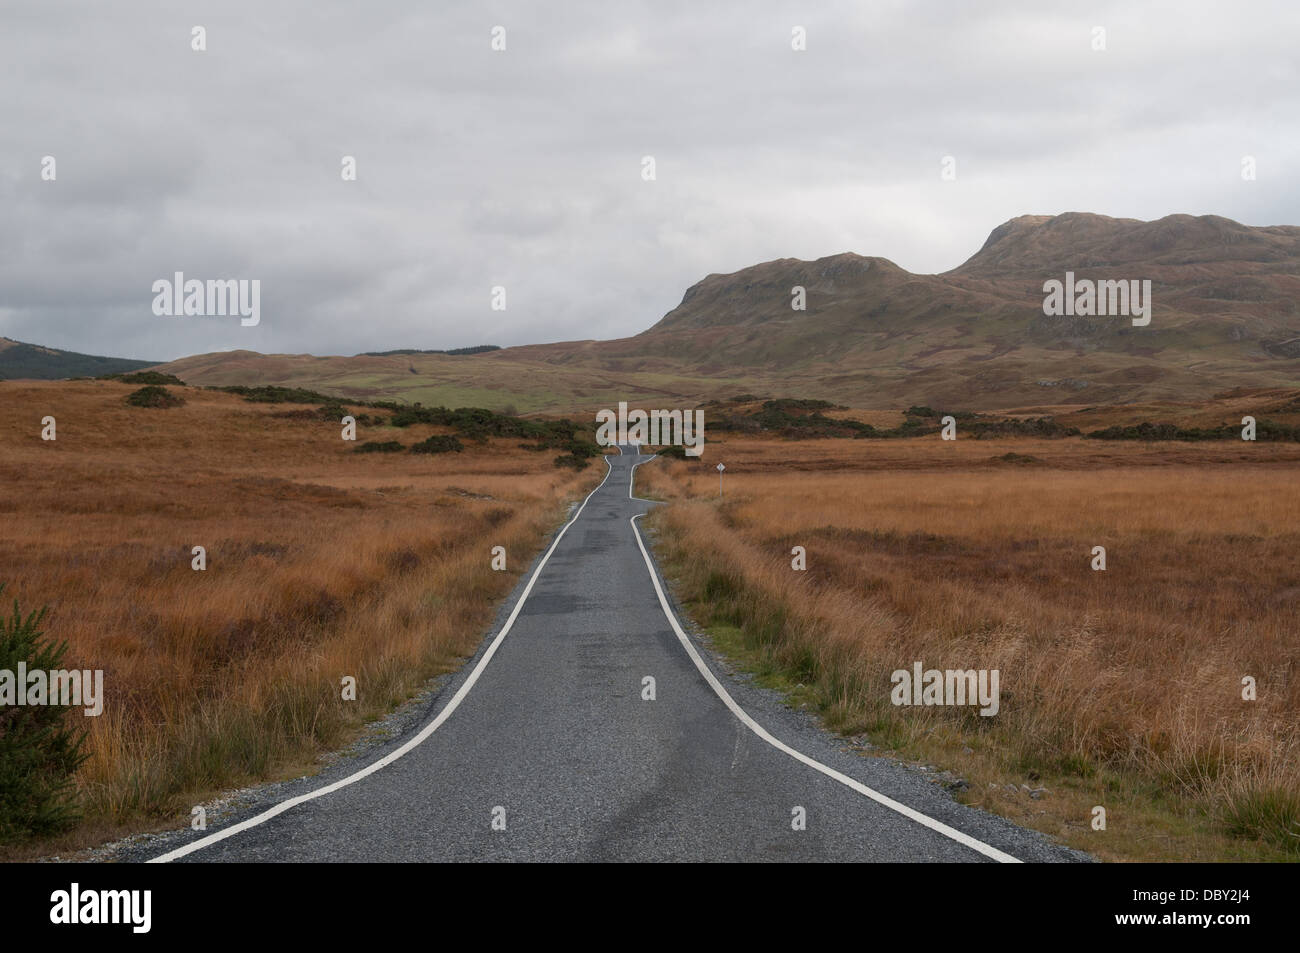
column 19, row 361
column 1225, row 315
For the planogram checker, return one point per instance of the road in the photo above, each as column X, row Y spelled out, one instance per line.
column 542, row 748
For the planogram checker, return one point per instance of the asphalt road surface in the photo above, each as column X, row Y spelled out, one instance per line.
column 543, row 748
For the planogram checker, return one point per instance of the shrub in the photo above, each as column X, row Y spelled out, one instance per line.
column 379, row 446
column 1266, row 430
column 154, row 396
column 269, row 394
column 1037, row 427
column 144, row 377
column 478, row 423
column 438, row 443
column 573, row 460
column 38, row 752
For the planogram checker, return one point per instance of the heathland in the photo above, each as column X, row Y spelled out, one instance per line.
column 322, row 563
column 1121, row 688
column 1124, row 688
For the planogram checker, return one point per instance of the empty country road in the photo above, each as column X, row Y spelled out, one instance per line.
column 545, row 732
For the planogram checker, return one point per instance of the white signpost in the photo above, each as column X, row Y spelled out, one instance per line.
column 720, row 469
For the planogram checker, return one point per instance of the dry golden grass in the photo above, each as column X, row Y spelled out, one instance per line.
column 1124, row 687
column 321, row 563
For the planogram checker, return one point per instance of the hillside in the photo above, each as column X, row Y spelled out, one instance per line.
column 1224, row 315
column 19, row 361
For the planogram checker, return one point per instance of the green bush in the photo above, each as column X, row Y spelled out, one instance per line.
column 270, row 394
column 1266, row 431
column 478, row 424
column 378, row 446
column 144, row 377
column 38, row 752
column 154, row 396
column 439, row 443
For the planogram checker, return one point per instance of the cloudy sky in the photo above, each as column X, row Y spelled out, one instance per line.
column 523, row 168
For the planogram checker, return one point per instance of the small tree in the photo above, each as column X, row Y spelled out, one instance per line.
column 39, row 753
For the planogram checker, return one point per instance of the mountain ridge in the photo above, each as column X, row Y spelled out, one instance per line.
column 1225, row 315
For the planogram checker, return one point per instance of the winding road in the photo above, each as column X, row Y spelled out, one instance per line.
column 544, row 748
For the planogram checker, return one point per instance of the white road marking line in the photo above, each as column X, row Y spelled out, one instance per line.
column 925, row 821
column 425, row 732
column 464, row 690
column 632, row 479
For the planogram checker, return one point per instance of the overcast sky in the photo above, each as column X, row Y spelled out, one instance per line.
column 523, row 168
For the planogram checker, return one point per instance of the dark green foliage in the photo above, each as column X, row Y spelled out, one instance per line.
column 144, row 377
column 439, row 443
column 479, row 423
column 455, row 351
column 1265, row 430
column 911, row 427
column 332, row 412
column 378, row 446
column 154, row 396
column 336, row 412
column 802, row 419
column 720, row 586
column 278, row 395
column 38, row 752
column 476, row 349
column 27, row 361
column 790, row 417
column 1037, row 427
column 572, row 460
column 811, row 425
column 924, row 410
column 794, row 404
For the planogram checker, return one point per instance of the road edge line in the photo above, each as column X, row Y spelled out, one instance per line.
column 910, row 813
column 411, row 744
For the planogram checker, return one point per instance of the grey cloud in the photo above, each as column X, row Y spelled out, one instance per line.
column 523, row 168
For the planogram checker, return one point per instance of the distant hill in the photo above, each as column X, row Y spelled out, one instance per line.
column 33, row 362
column 455, row 351
column 1226, row 314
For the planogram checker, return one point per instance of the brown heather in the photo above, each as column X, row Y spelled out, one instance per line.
column 1122, row 687
column 321, row 564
